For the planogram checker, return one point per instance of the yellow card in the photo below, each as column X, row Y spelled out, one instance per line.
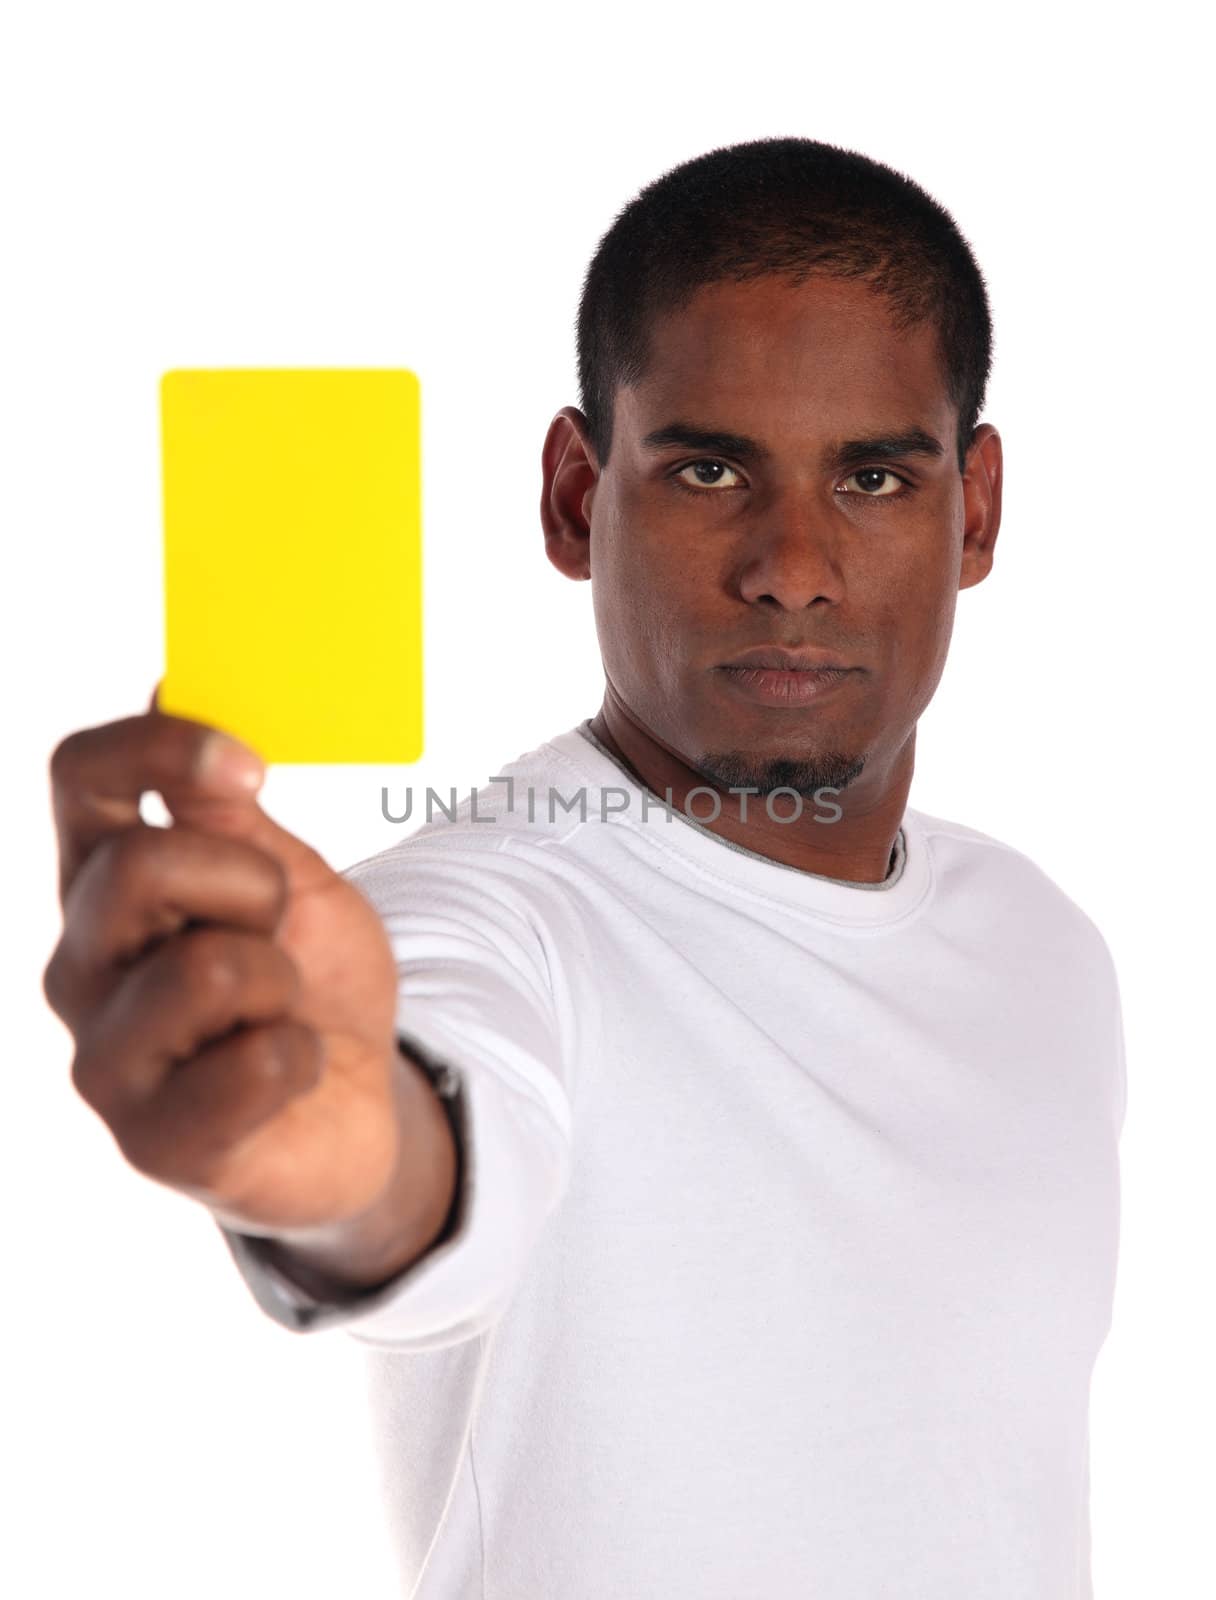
column 293, row 559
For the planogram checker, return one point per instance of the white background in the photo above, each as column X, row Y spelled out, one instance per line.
column 295, row 185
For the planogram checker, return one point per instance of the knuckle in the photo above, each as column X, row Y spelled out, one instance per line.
column 53, row 984
column 207, row 963
column 64, row 758
column 141, row 1140
column 261, row 1052
column 275, row 1050
column 87, row 1078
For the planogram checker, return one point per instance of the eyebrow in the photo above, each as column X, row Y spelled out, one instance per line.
column 847, row 453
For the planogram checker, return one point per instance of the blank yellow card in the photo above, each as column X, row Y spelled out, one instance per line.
column 293, row 559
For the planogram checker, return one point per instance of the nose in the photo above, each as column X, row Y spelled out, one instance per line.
column 791, row 563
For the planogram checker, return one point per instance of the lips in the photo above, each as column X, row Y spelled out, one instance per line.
column 781, row 686
column 775, row 659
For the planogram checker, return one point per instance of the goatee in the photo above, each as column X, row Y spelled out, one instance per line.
column 735, row 769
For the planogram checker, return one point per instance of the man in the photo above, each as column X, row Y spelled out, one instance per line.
column 717, row 1157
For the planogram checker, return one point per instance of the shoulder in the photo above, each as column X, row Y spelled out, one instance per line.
column 500, row 836
column 999, row 880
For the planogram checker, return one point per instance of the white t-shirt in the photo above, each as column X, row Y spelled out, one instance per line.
column 788, row 1220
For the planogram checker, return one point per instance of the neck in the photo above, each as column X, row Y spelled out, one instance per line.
column 856, row 846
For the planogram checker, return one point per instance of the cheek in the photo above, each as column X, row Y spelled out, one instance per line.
column 640, row 597
column 925, row 623
column 908, row 606
column 651, row 579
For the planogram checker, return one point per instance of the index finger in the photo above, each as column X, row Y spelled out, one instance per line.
column 99, row 774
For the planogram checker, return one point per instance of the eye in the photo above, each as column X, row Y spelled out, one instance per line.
column 871, row 490
column 705, row 461
column 872, row 483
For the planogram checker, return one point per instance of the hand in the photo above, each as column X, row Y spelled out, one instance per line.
column 232, row 998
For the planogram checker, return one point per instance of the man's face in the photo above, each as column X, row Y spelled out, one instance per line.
column 698, row 555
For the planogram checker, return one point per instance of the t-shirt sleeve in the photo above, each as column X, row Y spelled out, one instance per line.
column 476, row 1007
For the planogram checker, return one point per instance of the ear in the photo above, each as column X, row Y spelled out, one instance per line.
column 981, row 504
column 570, row 477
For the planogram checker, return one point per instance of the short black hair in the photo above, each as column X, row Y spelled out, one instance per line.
column 788, row 208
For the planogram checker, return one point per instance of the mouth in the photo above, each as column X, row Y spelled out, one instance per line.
column 776, row 659
column 777, row 686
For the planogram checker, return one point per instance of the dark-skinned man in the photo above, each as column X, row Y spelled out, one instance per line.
column 716, row 1157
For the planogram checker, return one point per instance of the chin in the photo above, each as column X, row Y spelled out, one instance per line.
column 805, row 772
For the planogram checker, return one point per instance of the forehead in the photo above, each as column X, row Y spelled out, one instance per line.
column 822, row 357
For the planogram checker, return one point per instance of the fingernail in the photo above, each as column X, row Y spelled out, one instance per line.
column 228, row 764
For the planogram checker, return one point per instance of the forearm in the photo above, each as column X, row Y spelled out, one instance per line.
column 405, row 1220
